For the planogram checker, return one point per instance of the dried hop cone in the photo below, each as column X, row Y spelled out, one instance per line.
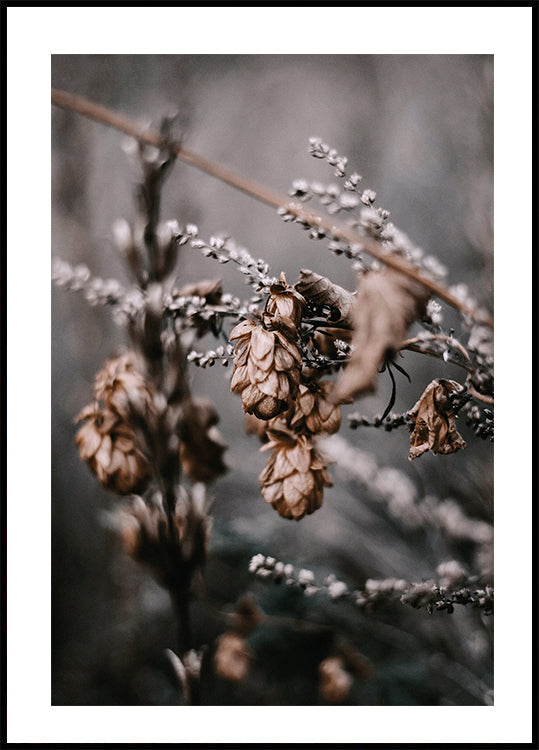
column 122, row 388
column 285, row 302
column 107, row 444
column 294, row 478
column 170, row 550
column 267, row 365
column 314, row 409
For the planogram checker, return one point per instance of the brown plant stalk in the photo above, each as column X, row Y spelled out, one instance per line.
column 262, row 193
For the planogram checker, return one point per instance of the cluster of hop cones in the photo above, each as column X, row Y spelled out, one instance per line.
column 287, row 405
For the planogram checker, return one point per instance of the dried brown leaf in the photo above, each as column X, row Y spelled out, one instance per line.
column 434, row 420
column 386, row 305
column 321, row 291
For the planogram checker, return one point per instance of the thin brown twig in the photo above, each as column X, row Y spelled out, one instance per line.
column 264, row 194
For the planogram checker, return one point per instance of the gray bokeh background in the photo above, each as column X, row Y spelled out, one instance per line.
column 420, row 131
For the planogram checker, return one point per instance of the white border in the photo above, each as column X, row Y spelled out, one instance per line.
column 33, row 34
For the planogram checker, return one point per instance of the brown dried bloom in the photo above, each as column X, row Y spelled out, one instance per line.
column 107, row 444
column 201, row 444
column 294, row 478
column 434, row 420
column 267, row 365
column 171, row 551
column 121, row 387
column 315, row 410
column 387, row 304
column 334, row 681
column 232, row 657
column 285, row 301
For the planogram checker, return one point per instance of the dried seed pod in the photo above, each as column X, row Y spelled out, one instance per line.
column 122, row 388
column 433, row 420
column 267, row 366
column 294, row 478
column 334, row 681
column 285, row 301
column 387, row 303
column 201, row 444
column 107, row 444
column 315, row 410
column 232, row 657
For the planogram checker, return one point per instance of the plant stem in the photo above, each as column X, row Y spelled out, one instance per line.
column 264, row 194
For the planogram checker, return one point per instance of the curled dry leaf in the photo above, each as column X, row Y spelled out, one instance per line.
column 386, row 305
column 319, row 290
column 433, row 420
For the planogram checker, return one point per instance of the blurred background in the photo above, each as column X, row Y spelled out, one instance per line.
column 419, row 129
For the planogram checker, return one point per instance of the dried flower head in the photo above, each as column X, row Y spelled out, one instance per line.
column 334, row 681
column 294, row 478
column 107, row 444
column 433, row 420
column 315, row 410
column 171, row 551
column 285, row 302
column 232, row 657
column 201, row 444
column 267, row 365
column 122, row 388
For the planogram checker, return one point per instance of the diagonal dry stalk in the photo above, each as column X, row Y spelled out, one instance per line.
column 264, row 194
